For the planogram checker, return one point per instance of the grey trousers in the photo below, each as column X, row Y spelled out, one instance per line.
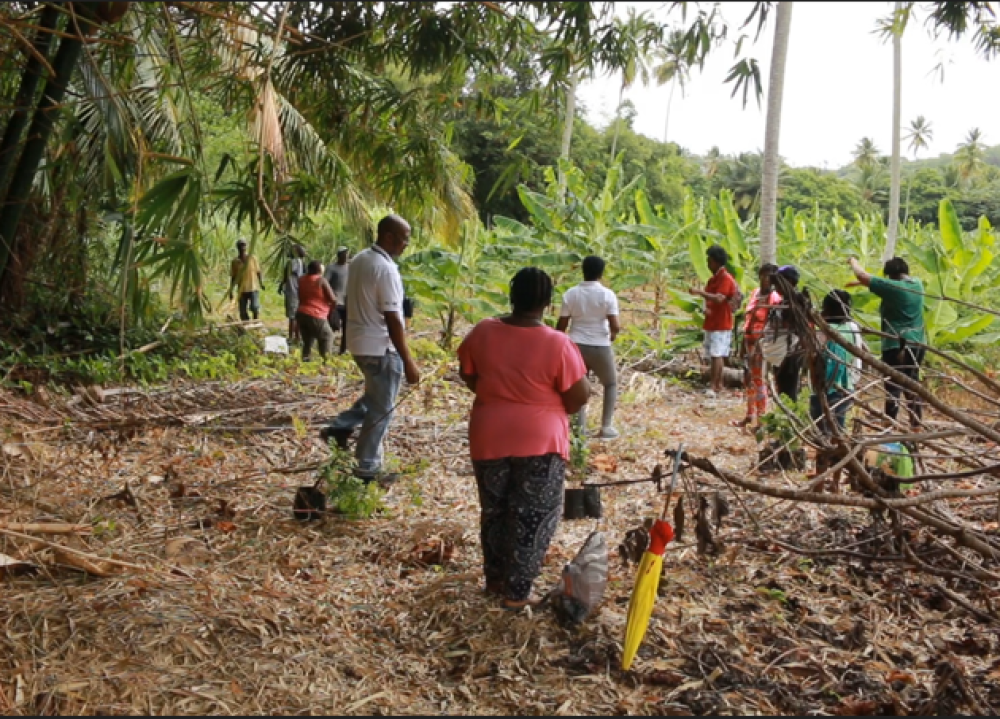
column 601, row 361
column 314, row 330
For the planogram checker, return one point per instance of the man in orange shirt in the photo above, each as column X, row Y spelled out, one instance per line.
column 719, row 294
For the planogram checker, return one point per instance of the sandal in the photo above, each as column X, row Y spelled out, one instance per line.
column 740, row 423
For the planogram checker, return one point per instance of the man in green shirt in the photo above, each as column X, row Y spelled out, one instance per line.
column 902, row 312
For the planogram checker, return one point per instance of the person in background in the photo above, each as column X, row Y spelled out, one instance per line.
column 831, row 372
column 316, row 301
column 245, row 273
column 289, row 287
column 336, row 275
column 590, row 311
column 832, row 376
column 526, row 377
column 902, row 312
column 408, row 306
column 788, row 375
column 718, row 294
column 857, row 338
column 758, row 307
column 376, row 338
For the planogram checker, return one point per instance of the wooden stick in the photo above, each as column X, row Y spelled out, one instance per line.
column 46, row 527
column 77, row 552
column 908, row 383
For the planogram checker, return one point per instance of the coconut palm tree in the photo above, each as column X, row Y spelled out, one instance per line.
column 743, row 176
column 570, row 116
column 672, row 67
column 866, row 154
column 872, row 179
column 970, row 158
column 772, row 132
column 895, row 29
column 919, row 136
column 710, row 165
column 634, row 31
column 873, row 166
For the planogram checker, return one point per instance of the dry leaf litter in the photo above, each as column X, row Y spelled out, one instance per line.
column 196, row 592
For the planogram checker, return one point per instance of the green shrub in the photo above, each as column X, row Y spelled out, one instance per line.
column 348, row 494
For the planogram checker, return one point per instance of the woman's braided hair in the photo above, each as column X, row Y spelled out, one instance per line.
column 530, row 290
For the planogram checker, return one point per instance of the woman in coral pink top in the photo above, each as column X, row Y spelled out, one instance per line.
column 758, row 308
column 527, row 378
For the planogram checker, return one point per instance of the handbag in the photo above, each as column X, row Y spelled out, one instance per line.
column 778, row 341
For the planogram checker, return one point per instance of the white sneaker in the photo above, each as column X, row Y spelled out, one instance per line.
column 608, row 433
column 710, row 393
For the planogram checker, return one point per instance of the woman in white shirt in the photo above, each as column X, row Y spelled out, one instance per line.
column 590, row 311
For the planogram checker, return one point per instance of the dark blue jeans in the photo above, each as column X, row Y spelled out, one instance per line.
column 249, row 302
column 839, row 405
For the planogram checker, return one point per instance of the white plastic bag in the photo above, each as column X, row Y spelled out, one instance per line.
column 275, row 345
column 581, row 588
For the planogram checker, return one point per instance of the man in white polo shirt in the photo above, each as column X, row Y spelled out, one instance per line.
column 376, row 338
column 590, row 311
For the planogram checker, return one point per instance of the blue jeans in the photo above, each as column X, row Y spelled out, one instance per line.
column 373, row 411
column 249, row 302
column 839, row 405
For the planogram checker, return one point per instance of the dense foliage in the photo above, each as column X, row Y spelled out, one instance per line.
column 141, row 139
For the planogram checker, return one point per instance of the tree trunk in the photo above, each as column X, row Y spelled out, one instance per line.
column 618, row 120
column 26, row 94
column 772, row 133
column 567, row 137
column 895, row 170
column 670, row 102
column 906, row 213
column 38, row 135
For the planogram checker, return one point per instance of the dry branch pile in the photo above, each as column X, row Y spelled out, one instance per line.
column 196, row 592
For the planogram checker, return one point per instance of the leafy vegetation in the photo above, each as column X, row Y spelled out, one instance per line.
column 349, row 495
column 188, row 126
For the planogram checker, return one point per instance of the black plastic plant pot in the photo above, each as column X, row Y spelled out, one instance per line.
column 592, row 502
column 310, row 504
column 573, row 507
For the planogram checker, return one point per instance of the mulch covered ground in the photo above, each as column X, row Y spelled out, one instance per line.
column 217, row 601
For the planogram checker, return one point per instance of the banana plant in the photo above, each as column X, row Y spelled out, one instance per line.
column 466, row 284
column 955, row 268
column 703, row 225
column 567, row 227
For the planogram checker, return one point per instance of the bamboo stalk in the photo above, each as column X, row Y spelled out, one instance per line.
column 46, row 527
column 68, row 550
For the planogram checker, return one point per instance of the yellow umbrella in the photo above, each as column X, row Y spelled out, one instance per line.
column 640, row 606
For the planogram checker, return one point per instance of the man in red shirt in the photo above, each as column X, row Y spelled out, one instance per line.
column 720, row 295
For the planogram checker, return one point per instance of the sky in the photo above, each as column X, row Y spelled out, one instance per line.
column 838, row 89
